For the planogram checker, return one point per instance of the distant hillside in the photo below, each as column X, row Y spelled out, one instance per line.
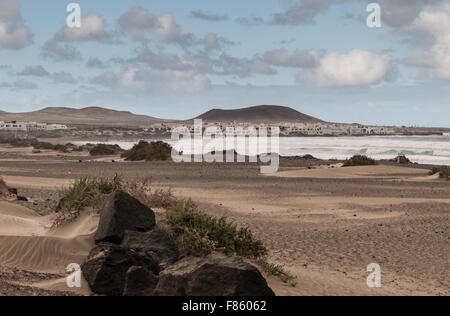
column 87, row 116
column 262, row 113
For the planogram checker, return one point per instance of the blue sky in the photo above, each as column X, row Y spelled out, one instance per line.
column 177, row 58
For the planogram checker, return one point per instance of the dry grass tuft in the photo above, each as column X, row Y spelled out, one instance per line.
column 90, row 193
column 146, row 193
column 277, row 271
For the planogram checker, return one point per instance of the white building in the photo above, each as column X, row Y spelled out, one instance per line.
column 13, row 126
column 30, row 126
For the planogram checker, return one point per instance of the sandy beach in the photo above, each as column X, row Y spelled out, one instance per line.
column 323, row 222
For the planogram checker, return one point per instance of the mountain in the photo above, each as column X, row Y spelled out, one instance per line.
column 87, row 116
column 105, row 117
column 258, row 114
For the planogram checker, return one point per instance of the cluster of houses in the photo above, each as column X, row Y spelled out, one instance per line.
column 286, row 129
column 29, row 126
column 335, row 130
column 300, row 129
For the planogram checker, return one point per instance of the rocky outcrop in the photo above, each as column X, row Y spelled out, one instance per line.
column 140, row 282
column 107, row 265
column 212, row 277
column 402, row 159
column 135, row 258
column 122, row 212
column 155, row 241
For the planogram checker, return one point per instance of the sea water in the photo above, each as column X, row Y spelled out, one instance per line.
column 433, row 150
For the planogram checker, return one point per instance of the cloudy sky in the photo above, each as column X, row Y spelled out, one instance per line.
column 178, row 58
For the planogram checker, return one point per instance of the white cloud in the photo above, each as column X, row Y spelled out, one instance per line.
column 138, row 23
column 62, row 46
column 92, row 29
column 213, row 42
column 356, row 68
column 206, row 16
column 134, row 80
column 24, row 85
column 36, row 71
column 9, row 10
column 166, row 27
column 64, row 77
column 13, row 33
column 299, row 58
column 177, row 81
column 57, row 51
column 434, row 23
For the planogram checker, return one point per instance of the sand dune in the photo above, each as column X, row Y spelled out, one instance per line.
column 60, row 285
column 16, row 220
column 27, row 243
column 37, row 182
column 42, row 254
column 338, row 172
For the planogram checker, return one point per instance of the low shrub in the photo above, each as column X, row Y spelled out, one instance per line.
column 105, row 150
column 61, row 148
column 199, row 234
column 43, row 145
column 32, row 142
column 359, row 160
column 154, row 151
column 444, row 172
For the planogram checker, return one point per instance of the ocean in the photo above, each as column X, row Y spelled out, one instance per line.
column 433, row 150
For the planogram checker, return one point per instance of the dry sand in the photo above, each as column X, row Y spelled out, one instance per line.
column 325, row 224
column 33, row 257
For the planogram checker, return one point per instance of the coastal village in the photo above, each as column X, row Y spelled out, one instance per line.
column 287, row 129
column 244, row 128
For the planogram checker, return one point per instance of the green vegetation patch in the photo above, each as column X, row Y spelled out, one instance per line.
column 444, row 172
column 154, row 151
column 105, row 150
column 359, row 160
column 199, row 234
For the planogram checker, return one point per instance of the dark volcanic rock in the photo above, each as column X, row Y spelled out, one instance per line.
column 155, row 241
column 140, row 282
column 212, row 277
column 401, row 159
column 122, row 212
column 107, row 265
column 13, row 191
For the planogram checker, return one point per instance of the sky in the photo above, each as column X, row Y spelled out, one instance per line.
column 177, row 59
